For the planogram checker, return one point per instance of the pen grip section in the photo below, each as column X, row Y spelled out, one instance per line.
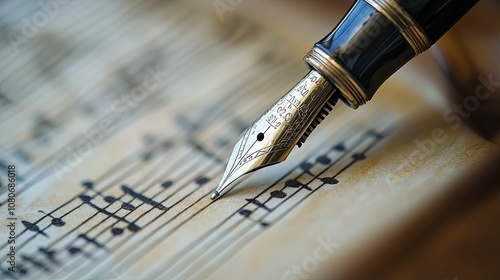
column 376, row 38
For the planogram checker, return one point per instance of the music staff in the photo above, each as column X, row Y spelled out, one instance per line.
column 281, row 195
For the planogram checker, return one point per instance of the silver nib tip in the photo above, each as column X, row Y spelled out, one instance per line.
column 215, row 195
column 288, row 122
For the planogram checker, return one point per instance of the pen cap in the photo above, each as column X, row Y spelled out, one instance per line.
column 376, row 38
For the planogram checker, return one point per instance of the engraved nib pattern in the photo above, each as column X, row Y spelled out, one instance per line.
column 271, row 138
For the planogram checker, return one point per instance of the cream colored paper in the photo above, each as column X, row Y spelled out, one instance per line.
column 119, row 116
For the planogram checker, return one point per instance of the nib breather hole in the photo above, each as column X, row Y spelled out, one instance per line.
column 260, row 136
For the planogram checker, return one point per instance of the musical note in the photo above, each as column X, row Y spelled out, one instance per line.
column 258, row 203
column 293, row 183
column 23, row 271
column 88, row 200
column 58, row 222
column 329, row 180
column 278, row 194
column 358, row 157
column 133, row 227
column 306, row 167
column 88, row 184
column 128, row 206
column 91, row 241
column 78, row 251
column 143, row 198
column 109, row 199
column 33, row 227
column 167, row 184
column 339, row 147
column 116, row 231
column 125, row 205
column 324, row 160
column 50, row 255
column 74, row 250
column 202, row 181
column 247, row 213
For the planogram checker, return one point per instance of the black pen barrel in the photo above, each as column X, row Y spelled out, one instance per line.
column 376, row 38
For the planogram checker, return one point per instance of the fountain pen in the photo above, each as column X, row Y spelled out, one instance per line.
column 373, row 40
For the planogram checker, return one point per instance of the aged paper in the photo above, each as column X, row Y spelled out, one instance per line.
column 117, row 120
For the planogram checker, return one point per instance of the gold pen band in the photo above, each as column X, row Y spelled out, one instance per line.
column 352, row 92
column 404, row 22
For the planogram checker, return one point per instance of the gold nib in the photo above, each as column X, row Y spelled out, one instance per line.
column 271, row 138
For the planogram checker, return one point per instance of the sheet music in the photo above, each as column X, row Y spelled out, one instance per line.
column 119, row 131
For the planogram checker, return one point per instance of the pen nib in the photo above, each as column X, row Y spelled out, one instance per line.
column 271, row 138
column 215, row 195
